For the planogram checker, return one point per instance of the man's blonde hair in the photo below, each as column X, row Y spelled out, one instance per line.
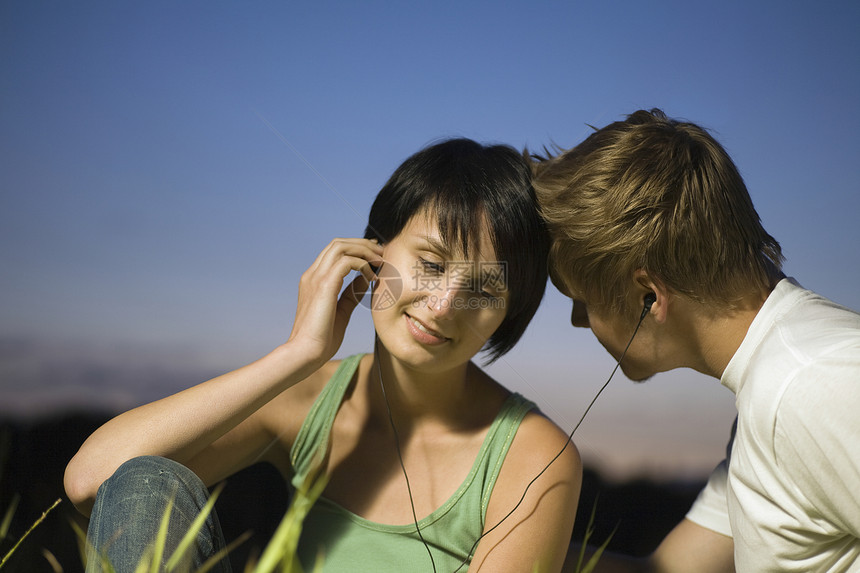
column 657, row 194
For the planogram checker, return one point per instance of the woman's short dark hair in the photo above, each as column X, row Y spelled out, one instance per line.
column 465, row 183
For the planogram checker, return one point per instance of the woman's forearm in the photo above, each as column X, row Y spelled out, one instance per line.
column 180, row 426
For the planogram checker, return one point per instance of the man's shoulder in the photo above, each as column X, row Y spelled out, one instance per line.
column 798, row 324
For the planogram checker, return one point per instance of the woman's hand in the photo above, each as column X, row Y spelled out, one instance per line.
column 322, row 316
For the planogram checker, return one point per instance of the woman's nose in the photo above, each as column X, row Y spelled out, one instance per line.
column 444, row 302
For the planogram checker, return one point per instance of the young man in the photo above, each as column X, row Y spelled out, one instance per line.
column 651, row 218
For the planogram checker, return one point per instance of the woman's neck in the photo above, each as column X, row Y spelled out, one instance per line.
column 418, row 397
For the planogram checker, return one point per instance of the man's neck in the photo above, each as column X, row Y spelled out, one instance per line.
column 714, row 336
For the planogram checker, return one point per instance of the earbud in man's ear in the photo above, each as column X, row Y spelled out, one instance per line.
column 648, row 301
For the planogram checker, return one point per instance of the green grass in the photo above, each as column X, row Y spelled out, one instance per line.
column 279, row 555
column 589, row 566
column 7, row 520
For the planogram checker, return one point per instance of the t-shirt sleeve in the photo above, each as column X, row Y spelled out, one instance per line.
column 710, row 510
column 817, row 441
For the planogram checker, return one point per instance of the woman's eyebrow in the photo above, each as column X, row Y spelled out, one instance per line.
column 436, row 244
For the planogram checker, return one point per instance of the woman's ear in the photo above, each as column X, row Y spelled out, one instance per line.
column 373, row 267
column 653, row 294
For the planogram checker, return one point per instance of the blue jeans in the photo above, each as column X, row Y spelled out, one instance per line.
column 128, row 511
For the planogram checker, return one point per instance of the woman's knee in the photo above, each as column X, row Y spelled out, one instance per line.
column 156, row 480
column 131, row 503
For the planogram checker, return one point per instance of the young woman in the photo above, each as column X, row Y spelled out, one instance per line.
column 430, row 461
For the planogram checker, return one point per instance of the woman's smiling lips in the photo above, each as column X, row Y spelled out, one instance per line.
column 422, row 333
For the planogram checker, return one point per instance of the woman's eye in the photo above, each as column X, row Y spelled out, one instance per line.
column 430, row 266
column 484, row 293
column 477, row 288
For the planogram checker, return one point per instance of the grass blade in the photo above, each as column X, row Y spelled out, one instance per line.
column 32, row 527
column 595, row 557
column 81, row 538
column 84, row 546
column 145, row 562
column 188, row 539
column 589, row 532
column 52, row 561
column 161, row 538
column 281, row 549
column 212, row 561
column 7, row 519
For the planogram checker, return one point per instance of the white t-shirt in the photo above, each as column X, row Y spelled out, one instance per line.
column 790, row 492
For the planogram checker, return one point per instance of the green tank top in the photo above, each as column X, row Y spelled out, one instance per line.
column 350, row 543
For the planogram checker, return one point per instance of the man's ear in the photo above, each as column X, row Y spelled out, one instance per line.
column 646, row 284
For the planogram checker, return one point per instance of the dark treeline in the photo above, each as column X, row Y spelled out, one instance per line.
column 33, row 456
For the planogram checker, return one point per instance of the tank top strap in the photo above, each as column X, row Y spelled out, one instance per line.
column 313, row 437
column 499, row 440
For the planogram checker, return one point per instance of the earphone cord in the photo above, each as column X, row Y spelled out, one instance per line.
column 525, row 491
column 569, row 438
column 399, row 454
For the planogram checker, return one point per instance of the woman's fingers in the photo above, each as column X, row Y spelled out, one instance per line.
column 332, row 255
column 323, row 312
column 353, row 293
column 342, row 256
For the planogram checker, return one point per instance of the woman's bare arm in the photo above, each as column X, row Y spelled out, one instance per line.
column 538, row 531
column 183, row 425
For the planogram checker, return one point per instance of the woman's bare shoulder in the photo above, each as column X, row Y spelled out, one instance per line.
column 295, row 402
column 539, row 437
column 533, row 504
column 284, row 415
column 538, row 440
column 540, row 448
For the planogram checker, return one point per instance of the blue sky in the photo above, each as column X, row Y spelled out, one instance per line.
column 168, row 170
